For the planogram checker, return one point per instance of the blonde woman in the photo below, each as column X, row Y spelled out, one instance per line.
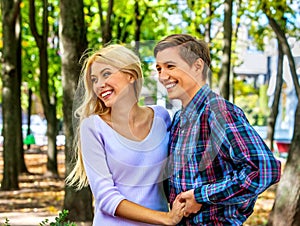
column 121, row 146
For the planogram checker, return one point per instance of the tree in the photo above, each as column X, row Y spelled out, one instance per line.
column 49, row 104
column 274, row 109
column 139, row 18
column 73, row 43
column 226, row 58
column 106, row 25
column 286, row 209
column 10, row 67
column 200, row 21
column 19, row 134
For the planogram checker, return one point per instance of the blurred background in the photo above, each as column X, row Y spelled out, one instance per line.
column 255, row 50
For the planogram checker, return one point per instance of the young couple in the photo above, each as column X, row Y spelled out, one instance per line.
column 215, row 162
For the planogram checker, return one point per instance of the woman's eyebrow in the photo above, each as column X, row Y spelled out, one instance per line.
column 104, row 69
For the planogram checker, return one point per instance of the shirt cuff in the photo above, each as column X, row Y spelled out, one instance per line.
column 201, row 194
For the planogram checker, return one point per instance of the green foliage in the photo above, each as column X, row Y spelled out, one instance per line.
column 249, row 106
column 6, row 223
column 30, row 55
column 243, row 89
column 59, row 221
column 252, row 101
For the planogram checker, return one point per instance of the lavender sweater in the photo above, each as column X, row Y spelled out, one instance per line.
column 118, row 168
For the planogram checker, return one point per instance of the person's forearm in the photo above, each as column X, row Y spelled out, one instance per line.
column 231, row 190
column 135, row 212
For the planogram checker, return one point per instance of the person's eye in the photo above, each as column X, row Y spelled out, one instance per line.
column 106, row 74
column 94, row 79
column 158, row 69
column 170, row 66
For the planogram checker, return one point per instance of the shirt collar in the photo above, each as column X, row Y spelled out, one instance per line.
column 195, row 104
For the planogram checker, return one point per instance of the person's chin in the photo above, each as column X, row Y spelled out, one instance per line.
column 108, row 103
column 172, row 95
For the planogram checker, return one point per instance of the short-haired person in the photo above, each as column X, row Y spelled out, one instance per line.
column 121, row 146
column 219, row 164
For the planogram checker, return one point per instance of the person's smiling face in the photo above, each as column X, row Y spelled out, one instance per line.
column 176, row 75
column 108, row 82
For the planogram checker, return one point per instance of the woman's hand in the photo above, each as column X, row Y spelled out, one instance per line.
column 176, row 213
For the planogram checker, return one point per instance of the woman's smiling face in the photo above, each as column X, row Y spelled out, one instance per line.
column 108, row 82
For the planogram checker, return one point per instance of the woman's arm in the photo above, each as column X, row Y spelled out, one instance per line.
column 106, row 193
column 135, row 212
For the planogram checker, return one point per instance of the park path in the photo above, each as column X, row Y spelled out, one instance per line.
column 25, row 219
column 39, row 197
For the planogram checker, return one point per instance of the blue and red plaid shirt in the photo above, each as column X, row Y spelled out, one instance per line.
column 214, row 150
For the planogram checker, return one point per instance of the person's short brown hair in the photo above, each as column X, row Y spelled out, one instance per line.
column 190, row 48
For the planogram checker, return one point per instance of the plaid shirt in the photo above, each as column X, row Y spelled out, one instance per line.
column 214, row 150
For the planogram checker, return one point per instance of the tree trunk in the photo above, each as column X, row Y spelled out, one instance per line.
column 139, row 18
column 137, row 29
column 52, row 131
column 48, row 106
column 73, row 43
column 106, row 24
column 29, row 114
column 286, row 209
column 10, row 12
column 225, row 70
column 21, row 160
column 79, row 204
column 207, row 33
column 274, row 109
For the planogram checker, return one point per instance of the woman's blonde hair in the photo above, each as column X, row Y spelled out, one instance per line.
column 126, row 61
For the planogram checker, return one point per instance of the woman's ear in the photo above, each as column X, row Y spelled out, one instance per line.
column 131, row 79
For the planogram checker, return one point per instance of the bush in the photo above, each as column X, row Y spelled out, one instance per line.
column 59, row 221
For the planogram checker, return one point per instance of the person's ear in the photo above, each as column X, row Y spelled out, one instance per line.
column 131, row 79
column 199, row 64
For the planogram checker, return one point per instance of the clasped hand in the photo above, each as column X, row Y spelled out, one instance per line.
column 191, row 205
column 183, row 205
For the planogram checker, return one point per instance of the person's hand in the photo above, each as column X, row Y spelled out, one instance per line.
column 176, row 213
column 191, row 205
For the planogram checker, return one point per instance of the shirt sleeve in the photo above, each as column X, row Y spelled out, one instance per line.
column 95, row 164
column 254, row 166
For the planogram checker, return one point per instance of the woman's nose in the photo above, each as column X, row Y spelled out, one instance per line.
column 100, row 83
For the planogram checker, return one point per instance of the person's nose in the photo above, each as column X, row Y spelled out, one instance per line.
column 100, row 83
column 163, row 75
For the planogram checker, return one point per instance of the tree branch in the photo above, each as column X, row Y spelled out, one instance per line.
column 32, row 23
column 287, row 51
column 15, row 10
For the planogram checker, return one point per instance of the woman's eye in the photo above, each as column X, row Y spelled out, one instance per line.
column 170, row 66
column 94, row 80
column 106, row 74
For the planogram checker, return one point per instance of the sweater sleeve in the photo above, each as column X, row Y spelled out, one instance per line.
column 95, row 164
